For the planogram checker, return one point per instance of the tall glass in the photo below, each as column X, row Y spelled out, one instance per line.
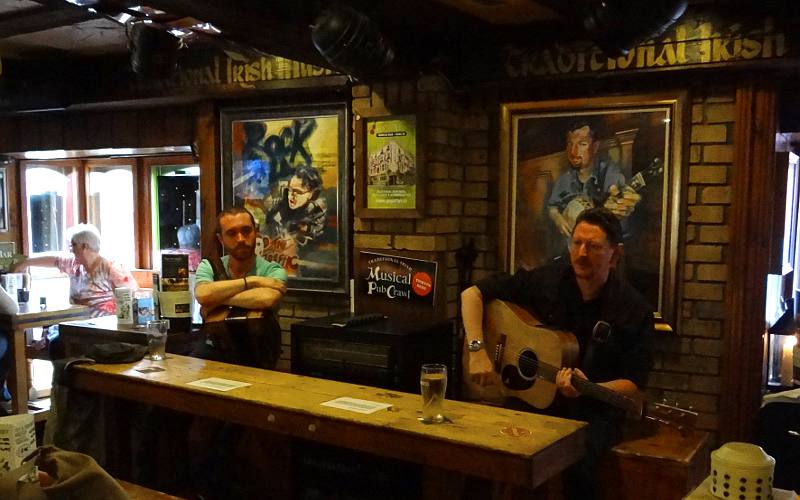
column 157, row 339
column 433, row 383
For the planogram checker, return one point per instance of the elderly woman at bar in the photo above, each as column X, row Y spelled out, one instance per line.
column 92, row 277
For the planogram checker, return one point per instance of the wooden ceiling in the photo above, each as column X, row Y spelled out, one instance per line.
column 48, row 28
column 422, row 31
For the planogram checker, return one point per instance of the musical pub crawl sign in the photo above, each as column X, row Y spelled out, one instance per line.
column 395, row 279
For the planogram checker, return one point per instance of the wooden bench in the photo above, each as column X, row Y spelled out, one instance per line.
column 657, row 464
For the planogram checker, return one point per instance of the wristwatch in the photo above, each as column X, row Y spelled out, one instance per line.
column 474, row 345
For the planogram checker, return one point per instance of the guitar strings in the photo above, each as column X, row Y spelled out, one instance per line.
column 535, row 364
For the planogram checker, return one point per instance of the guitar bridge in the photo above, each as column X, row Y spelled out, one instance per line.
column 499, row 349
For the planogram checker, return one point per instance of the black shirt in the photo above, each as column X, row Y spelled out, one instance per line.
column 551, row 293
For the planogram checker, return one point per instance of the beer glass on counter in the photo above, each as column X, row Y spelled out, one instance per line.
column 433, row 383
column 157, row 339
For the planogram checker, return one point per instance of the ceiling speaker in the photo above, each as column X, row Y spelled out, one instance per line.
column 154, row 52
column 351, row 42
column 617, row 26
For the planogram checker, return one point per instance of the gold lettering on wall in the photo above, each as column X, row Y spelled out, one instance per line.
column 689, row 43
column 237, row 70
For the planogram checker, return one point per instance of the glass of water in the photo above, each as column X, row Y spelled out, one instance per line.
column 157, row 339
column 432, row 384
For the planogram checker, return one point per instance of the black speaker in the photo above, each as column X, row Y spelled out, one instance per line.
column 351, row 42
column 154, row 52
column 616, row 26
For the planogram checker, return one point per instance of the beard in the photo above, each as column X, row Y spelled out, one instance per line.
column 242, row 251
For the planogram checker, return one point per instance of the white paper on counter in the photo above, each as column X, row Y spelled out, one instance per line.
column 218, row 384
column 356, row 405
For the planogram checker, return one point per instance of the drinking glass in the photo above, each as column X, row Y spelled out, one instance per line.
column 432, row 383
column 157, row 339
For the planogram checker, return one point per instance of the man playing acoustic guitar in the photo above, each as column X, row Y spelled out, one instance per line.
column 612, row 323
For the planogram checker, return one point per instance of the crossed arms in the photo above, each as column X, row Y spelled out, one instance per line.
column 257, row 292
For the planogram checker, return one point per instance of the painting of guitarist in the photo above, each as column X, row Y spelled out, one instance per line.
column 590, row 181
column 616, row 157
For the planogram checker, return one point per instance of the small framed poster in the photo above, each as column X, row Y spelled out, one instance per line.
column 389, row 167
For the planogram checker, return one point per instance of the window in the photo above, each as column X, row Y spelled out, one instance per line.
column 115, row 195
column 175, row 191
column 781, row 288
column 110, row 207
column 790, row 221
column 50, row 205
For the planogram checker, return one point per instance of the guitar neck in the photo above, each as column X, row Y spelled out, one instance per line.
column 587, row 388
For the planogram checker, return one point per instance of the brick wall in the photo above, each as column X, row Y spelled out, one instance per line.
column 461, row 204
column 687, row 367
column 456, row 190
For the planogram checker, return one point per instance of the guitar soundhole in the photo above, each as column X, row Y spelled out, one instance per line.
column 521, row 377
column 528, row 364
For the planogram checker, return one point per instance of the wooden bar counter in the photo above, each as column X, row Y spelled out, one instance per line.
column 30, row 316
column 516, row 448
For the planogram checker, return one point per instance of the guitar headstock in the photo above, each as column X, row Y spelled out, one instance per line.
column 682, row 419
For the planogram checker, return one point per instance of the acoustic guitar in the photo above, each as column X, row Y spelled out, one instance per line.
column 527, row 356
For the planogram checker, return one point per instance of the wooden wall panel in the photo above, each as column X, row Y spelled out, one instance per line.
column 124, row 129
column 181, row 126
column 207, row 144
column 99, row 126
column 745, row 296
column 7, row 134
column 52, row 132
column 76, row 132
column 151, row 128
column 29, row 133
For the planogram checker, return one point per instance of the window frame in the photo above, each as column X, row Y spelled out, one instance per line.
column 148, row 164
column 98, row 164
column 77, row 171
column 73, row 170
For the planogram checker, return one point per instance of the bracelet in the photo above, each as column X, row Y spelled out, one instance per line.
column 245, row 282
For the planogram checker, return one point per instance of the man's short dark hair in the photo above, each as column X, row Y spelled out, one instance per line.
column 583, row 123
column 233, row 211
column 605, row 220
column 310, row 178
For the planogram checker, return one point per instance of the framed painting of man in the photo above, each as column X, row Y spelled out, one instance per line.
column 288, row 166
column 624, row 153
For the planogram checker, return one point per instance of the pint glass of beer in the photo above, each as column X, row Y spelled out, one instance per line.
column 432, row 383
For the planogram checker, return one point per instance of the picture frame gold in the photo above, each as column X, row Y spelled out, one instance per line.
column 639, row 138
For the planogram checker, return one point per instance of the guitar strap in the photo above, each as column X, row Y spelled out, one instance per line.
column 221, row 274
column 600, row 334
column 219, row 269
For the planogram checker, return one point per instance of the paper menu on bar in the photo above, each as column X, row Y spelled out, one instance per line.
column 218, row 384
column 356, row 405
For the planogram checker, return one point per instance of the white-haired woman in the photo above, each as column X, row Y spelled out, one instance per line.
column 92, row 278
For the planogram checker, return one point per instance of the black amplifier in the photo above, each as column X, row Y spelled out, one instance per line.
column 383, row 352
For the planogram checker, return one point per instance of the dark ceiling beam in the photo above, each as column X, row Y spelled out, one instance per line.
column 276, row 27
column 41, row 18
